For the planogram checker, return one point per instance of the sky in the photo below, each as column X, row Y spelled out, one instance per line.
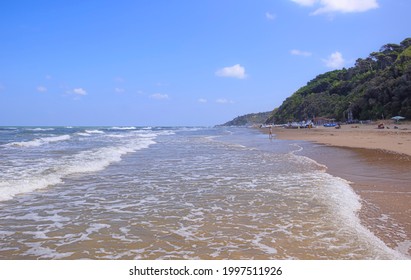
column 177, row 62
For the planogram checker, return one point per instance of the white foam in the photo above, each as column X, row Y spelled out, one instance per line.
column 94, row 131
column 304, row 159
column 165, row 132
column 123, row 128
column 83, row 134
column 94, row 228
column 38, row 250
column 404, row 247
column 8, row 128
column 37, row 234
column 8, row 189
column 257, row 242
column 99, row 159
column 116, row 135
column 39, row 218
column 39, row 129
column 187, row 232
column 39, row 141
column 347, row 204
column 48, row 172
column 343, row 201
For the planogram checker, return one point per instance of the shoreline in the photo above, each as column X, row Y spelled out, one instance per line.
column 354, row 136
column 377, row 163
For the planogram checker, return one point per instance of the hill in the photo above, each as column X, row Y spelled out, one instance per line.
column 249, row 119
column 378, row 86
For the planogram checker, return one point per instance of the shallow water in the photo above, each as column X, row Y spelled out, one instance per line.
column 173, row 193
column 382, row 180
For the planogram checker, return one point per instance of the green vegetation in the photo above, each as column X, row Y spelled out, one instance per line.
column 376, row 87
column 249, row 119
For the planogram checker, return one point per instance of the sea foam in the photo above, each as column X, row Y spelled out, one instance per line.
column 40, row 129
column 39, row 141
column 94, row 131
column 51, row 171
column 123, row 128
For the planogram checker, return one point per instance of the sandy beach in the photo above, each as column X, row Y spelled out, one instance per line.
column 377, row 163
column 355, row 136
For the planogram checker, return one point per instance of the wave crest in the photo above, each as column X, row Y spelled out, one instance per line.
column 39, row 141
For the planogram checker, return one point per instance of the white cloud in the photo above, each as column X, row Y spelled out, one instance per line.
column 79, row 91
column 300, row 53
column 335, row 60
column 48, row 77
column 235, row 71
column 159, row 96
column 224, row 101
column 202, row 100
column 342, row 6
column 119, row 90
column 41, row 89
column 346, row 6
column 270, row 16
column 305, row 2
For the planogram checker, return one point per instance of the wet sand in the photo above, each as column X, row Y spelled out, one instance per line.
column 377, row 162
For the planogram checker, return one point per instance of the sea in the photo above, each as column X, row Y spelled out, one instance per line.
column 173, row 193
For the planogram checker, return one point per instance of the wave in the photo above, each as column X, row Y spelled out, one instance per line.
column 52, row 171
column 123, row 128
column 346, row 203
column 8, row 128
column 39, row 141
column 116, row 136
column 99, row 159
column 95, row 131
column 342, row 199
column 305, row 160
column 39, row 129
column 83, row 134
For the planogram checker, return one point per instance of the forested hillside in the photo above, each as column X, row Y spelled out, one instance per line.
column 378, row 86
column 248, row 119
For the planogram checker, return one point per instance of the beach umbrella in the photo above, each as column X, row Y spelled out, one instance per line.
column 397, row 118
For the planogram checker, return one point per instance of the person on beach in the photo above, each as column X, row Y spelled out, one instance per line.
column 270, row 132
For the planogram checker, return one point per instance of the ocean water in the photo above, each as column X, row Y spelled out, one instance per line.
column 172, row 193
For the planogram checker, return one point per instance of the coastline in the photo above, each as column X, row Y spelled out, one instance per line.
column 377, row 163
column 355, row 136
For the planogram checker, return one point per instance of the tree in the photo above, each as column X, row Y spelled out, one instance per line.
column 377, row 85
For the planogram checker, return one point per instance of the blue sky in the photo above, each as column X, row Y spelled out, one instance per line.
column 152, row 62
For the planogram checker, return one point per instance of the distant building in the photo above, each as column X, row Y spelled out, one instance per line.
column 322, row 120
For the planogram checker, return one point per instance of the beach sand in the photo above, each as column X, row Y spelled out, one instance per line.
column 377, row 162
column 355, row 136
